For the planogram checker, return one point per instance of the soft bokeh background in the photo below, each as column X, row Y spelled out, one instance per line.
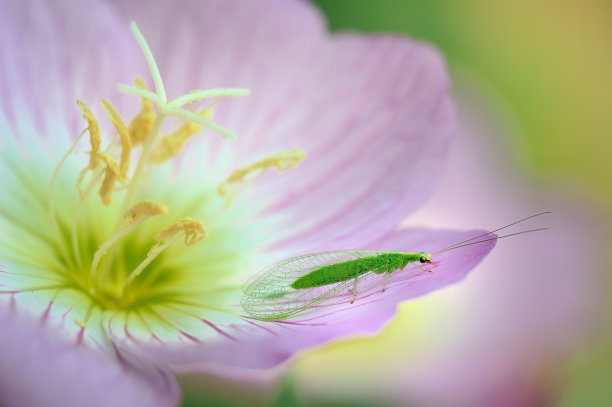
column 532, row 84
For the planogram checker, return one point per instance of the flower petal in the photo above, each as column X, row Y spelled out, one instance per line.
column 375, row 155
column 373, row 115
column 245, row 342
column 38, row 369
column 52, row 54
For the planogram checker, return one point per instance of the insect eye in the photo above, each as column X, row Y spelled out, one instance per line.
column 423, row 259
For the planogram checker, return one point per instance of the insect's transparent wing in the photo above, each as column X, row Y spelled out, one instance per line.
column 279, row 276
column 271, row 297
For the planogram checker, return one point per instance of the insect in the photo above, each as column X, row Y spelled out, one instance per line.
column 315, row 281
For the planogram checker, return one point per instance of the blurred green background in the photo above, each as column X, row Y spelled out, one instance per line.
column 549, row 63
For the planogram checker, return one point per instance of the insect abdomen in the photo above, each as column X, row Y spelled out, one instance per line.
column 335, row 273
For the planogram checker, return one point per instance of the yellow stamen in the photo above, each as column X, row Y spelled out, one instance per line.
column 94, row 133
column 172, row 144
column 124, row 135
column 132, row 218
column 143, row 210
column 283, row 161
column 94, row 139
column 108, row 185
column 193, row 229
column 194, row 232
column 112, row 173
column 142, row 124
column 111, row 164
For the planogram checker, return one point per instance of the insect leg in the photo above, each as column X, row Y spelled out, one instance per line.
column 355, row 290
column 422, row 269
column 386, row 281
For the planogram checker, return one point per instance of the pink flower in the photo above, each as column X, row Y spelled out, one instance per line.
column 104, row 324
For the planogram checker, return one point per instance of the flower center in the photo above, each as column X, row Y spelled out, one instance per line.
column 127, row 250
column 109, row 279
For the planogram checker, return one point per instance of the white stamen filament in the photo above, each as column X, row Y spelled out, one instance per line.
column 153, row 253
column 58, row 167
column 106, row 245
column 75, row 217
column 52, row 189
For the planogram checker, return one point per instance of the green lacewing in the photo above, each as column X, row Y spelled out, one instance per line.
column 312, row 282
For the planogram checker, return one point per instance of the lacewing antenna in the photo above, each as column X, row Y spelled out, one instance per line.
column 487, row 240
column 463, row 243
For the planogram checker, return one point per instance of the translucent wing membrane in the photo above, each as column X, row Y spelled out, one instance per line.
column 269, row 296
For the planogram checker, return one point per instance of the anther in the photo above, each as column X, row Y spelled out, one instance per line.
column 143, row 210
column 108, row 186
column 193, row 230
column 283, row 161
column 94, row 139
column 124, row 135
column 172, row 144
column 112, row 173
column 94, row 133
column 142, row 124
column 111, row 164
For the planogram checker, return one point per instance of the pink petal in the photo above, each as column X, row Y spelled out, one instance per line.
column 250, row 343
column 375, row 155
column 53, row 53
column 38, row 369
column 373, row 114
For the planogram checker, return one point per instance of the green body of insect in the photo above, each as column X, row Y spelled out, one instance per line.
column 387, row 262
column 307, row 283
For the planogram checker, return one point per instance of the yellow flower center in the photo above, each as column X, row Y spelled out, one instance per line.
column 108, row 282
column 121, row 252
